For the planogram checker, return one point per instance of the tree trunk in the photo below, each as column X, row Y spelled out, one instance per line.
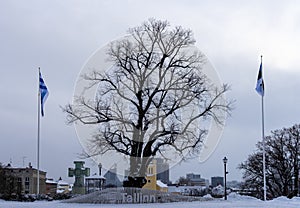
column 137, row 173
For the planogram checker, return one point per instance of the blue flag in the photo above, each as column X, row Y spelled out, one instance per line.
column 260, row 88
column 43, row 93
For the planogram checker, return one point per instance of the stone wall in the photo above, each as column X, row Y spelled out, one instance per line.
column 131, row 196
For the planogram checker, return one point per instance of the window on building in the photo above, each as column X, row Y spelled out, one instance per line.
column 27, row 185
column 150, row 170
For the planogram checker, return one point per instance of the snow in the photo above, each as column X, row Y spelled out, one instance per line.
column 234, row 201
column 208, row 196
column 161, row 184
column 62, row 183
column 95, row 177
column 219, row 190
column 51, row 181
column 182, row 189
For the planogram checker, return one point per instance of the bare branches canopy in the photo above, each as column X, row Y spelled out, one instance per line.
column 153, row 99
column 282, row 164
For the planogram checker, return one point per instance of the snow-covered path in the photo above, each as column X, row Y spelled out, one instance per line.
column 232, row 202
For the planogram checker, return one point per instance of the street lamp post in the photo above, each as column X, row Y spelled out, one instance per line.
column 100, row 169
column 225, row 173
column 293, row 185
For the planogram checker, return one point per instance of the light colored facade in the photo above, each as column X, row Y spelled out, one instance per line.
column 62, row 187
column 151, row 177
column 27, row 179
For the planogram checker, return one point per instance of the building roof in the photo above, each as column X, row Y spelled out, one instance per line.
column 62, row 183
column 161, row 184
column 49, row 181
column 96, row 177
column 27, row 169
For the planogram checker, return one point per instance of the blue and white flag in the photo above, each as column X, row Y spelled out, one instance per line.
column 43, row 93
column 260, row 88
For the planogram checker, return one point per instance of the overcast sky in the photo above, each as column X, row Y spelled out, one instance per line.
column 59, row 36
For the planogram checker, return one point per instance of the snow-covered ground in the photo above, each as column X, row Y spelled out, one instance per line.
column 234, row 201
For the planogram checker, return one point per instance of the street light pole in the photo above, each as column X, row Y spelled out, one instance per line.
column 293, row 185
column 225, row 173
column 100, row 169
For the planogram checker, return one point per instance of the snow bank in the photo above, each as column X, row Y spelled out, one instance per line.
column 235, row 200
column 236, row 196
column 281, row 198
column 132, row 195
column 293, row 203
column 208, row 196
column 296, row 199
column 284, row 202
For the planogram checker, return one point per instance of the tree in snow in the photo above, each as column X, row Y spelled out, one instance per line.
column 8, row 183
column 282, row 150
column 152, row 100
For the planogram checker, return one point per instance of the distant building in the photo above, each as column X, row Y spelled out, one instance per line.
column 195, row 180
column 95, row 182
column 216, row 181
column 111, row 177
column 27, row 179
column 163, row 173
column 63, row 187
column 51, row 187
column 233, row 184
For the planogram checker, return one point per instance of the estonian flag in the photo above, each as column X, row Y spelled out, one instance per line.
column 260, row 88
column 43, row 93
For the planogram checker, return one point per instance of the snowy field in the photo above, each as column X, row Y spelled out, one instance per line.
column 234, row 201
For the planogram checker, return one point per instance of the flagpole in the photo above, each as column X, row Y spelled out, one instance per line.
column 38, row 138
column 263, row 140
column 264, row 152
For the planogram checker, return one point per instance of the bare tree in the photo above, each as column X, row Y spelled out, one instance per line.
column 8, row 183
column 183, row 181
column 152, row 100
column 282, row 164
